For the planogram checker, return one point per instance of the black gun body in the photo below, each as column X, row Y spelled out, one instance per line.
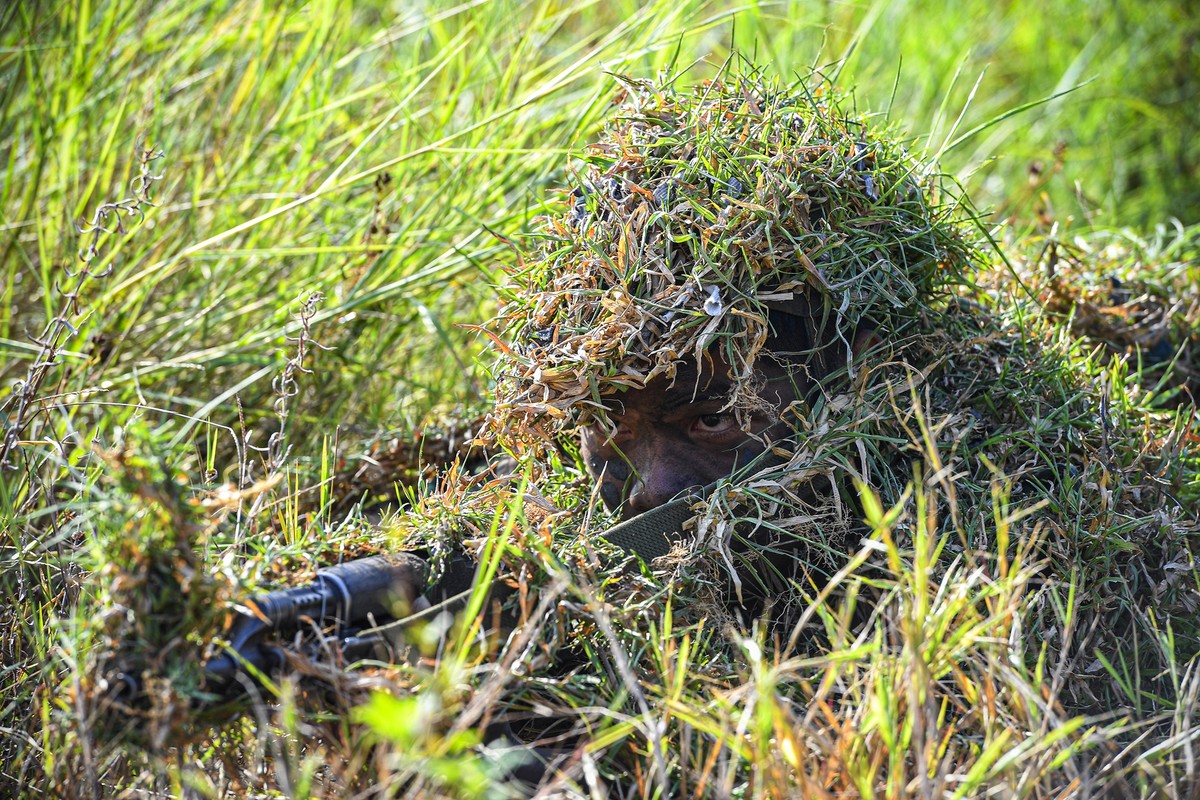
column 351, row 595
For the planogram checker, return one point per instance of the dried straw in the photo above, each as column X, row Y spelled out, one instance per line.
column 696, row 210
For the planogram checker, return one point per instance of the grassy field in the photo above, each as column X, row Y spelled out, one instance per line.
column 242, row 243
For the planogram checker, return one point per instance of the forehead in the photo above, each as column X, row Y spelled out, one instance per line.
column 663, row 395
column 709, row 383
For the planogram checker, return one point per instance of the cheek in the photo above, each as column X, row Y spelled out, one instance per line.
column 610, row 495
column 746, row 452
column 601, row 457
column 709, row 464
column 593, row 453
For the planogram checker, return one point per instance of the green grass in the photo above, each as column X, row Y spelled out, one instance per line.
column 176, row 437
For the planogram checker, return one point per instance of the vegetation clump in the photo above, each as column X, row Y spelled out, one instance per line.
column 696, row 210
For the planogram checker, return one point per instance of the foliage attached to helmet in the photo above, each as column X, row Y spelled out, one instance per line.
column 696, row 212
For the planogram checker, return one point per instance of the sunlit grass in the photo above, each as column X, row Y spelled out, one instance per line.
column 351, row 174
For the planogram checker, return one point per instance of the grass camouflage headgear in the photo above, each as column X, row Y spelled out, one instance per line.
column 696, row 212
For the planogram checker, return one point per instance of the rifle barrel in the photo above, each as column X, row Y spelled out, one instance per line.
column 345, row 597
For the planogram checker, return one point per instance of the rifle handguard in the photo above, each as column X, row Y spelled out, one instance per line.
column 347, row 595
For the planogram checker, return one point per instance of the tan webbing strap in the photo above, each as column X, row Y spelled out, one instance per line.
column 652, row 533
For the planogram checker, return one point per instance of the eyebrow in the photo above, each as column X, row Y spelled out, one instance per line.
column 676, row 398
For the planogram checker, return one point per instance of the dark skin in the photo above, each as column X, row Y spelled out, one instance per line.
column 672, row 437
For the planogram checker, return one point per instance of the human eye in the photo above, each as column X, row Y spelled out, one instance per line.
column 714, row 424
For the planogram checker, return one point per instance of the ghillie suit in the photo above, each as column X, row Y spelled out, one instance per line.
column 709, row 223
column 1021, row 478
column 697, row 212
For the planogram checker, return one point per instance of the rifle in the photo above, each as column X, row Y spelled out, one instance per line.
column 354, row 604
column 357, row 600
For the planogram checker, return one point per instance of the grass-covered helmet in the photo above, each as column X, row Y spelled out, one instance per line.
column 698, row 220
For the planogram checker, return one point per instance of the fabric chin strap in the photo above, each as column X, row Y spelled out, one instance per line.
column 653, row 533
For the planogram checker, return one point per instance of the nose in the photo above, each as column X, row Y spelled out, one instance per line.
column 644, row 498
column 659, row 479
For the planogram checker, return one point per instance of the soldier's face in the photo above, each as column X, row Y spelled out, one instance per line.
column 670, row 438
